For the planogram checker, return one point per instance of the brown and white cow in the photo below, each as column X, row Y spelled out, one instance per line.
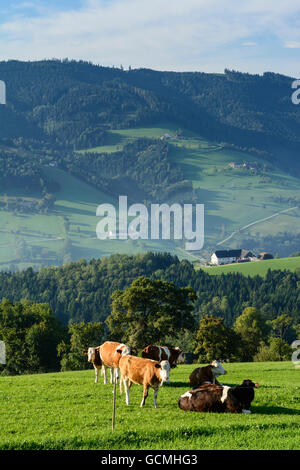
column 207, row 374
column 110, row 354
column 107, row 357
column 163, row 353
column 93, row 356
column 144, row 372
column 217, row 398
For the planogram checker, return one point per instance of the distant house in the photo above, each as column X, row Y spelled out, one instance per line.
column 166, row 136
column 246, row 254
column 265, row 255
column 235, row 165
column 225, row 256
column 231, row 256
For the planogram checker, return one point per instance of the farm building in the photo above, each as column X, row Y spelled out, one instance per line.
column 225, row 256
column 230, row 256
column 265, row 255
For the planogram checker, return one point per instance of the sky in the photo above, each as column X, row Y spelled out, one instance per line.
column 179, row 35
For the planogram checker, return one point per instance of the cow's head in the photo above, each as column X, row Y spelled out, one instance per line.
column 217, row 369
column 126, row 350
column 90, row 353
column 249, row 383
column 164, row 367
column 181, row 356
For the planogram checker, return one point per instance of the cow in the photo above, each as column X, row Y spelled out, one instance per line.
column 144, row 372
column 110, row 354
column 107, row 357
column 163, row 353
column 207, row 374
column 93, row 356
column 217, row 398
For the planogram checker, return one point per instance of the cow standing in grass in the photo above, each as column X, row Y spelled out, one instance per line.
column 144, row 372
column 106, row 357
column 163, row 353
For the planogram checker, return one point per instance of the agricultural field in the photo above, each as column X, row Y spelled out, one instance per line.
column 233, row 198
column 256, row 267
column 68, row 410
column 238, row 203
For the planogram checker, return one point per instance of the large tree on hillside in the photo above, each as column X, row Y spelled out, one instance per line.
column 149, row 311
column 253, row 329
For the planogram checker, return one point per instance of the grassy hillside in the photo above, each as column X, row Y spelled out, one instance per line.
column 68, row 411
column 254, row 210
column 239, row 203
column 256, row 268
column 66, row 233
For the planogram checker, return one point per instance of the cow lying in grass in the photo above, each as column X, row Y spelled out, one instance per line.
column 211, row 397
column 144, row 372
column 207, row 374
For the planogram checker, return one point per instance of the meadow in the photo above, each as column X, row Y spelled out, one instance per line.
column 255, row 268
column 67, row 410
column 233, row 199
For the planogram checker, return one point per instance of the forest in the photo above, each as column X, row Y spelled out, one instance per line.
column 48, row 318
column 70, row 104
column 81, row 291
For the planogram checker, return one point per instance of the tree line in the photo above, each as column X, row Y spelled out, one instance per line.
column 145, row 310
column 81, row 291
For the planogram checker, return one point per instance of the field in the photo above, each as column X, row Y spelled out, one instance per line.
column 237, row 202
column 68, row 411
column 256, row 267
column 233, row 198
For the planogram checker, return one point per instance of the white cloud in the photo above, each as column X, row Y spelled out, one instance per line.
column 159, row 34
column 292, row 44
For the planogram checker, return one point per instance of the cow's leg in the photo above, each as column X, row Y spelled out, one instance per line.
column 117, row 374
column 96, row 374
column 104, row 373
column 145, row 394
column 155, row 392
column 111, row 371
column 127, row 388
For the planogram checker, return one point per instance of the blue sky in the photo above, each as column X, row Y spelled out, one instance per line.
column 191, row 35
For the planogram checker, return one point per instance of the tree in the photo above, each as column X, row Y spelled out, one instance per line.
column 214, row 340
column 281, row 325
column 276, row 350
column 81, row 336
column 149, row 311
column 252, row 328
column 31, row 334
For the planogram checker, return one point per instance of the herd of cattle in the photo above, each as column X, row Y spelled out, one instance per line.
column 153, row 369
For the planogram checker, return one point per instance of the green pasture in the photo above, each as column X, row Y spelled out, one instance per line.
column 68, row 410
column 233, row 198
column 256, row 267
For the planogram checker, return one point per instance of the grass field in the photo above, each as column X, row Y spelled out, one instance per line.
column 68, row 411
column 233, row 199
column 257, row 267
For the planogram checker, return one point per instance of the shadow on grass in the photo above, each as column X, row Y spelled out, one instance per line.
column 274, row 410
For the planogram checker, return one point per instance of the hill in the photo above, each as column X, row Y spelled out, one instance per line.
column 73, row 128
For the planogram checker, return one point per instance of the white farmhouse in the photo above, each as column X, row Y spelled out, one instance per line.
column 225, row 256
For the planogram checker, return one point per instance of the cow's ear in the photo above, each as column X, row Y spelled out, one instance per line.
column 85, row 351
column 158, row 366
